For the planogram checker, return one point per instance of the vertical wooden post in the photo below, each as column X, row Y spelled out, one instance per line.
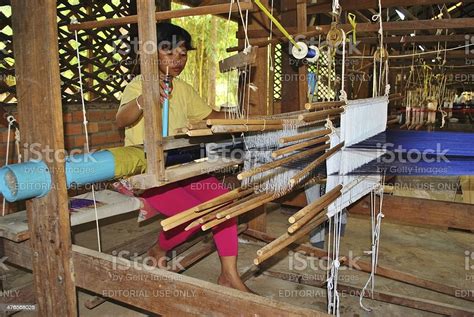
column 294, row 77
column 302, row 24
column 151, row 88
column 35, row 39
column 260, row 100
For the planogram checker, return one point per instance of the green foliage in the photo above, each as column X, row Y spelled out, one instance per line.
column 208, row 51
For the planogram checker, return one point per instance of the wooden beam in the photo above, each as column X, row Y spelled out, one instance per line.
column 184, row 171
column 151, row 87
column 158, row 291
column 35, row 33
column 365, row 266
column 349, row 5
column 159, row 16
column 408, row 210
column 238, row 61
column 406, row 39
column 397, row 299
column 407, row 25
column 140, row 245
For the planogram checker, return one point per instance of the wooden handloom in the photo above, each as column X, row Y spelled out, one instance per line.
column 70, row 266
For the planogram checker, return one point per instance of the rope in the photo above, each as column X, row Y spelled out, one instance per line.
column 11, row 121
column 85, row 122
column 343, row 94
column 244, row 25
column 277, row 23
column 376, row 224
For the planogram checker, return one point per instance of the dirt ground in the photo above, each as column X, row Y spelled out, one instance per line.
column 438, row 255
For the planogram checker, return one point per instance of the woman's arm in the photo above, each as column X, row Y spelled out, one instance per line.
column 129, row 113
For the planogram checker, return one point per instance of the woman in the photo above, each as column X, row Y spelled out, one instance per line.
column 184, row 104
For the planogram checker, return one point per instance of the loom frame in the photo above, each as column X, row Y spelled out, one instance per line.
column 70, row 266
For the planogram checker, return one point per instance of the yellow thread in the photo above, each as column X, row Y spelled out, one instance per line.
column 352, row 20
column 278, row 24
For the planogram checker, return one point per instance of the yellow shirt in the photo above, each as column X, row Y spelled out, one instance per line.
column 184, row 104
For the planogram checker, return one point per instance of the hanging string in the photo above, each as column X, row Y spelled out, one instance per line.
column 343, row 94
column 85, row 122
column 11, row 120
column 244, row 25
column 277, row 24
column 270, row 37
column 376, row 224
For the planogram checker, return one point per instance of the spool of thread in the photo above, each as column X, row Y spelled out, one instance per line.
column 302, row 51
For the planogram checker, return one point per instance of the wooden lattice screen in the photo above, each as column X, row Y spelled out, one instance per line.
column 107, row 55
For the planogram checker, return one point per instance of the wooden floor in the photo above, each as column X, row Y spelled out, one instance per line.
column 432, row 254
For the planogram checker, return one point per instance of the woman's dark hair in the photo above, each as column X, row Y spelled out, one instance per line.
column 169, row 36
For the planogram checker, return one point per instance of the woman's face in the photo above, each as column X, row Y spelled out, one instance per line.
column 173, row 59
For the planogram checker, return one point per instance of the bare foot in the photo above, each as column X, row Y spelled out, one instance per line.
column 233, row 282
column 156, row 257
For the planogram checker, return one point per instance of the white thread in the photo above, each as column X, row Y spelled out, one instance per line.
column 84, row 114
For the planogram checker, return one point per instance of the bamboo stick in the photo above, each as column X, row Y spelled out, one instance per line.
column 197, row 124
column 305, row 171
column 323, row 105
column 199, row 132
column 322, row 203
column 236, row 193
column 284, row 115
column 244, row 121
column 212, row 223
column 284, row 240
column 299, row 146
column 263, row 200
column 190, row 217
column 193, row 224
column 213, row 214
column 245, row 128
column 312, row 116
column 163, row 15
column 302, row 136
column 314, row 214
column 254, row 201
column 268, row 166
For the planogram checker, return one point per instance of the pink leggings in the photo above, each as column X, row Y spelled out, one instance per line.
column 174, row 198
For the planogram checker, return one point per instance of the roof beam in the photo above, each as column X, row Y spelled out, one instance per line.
column 348, row 5
column 457, row 54
column 461, row 23
column 416, row 39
